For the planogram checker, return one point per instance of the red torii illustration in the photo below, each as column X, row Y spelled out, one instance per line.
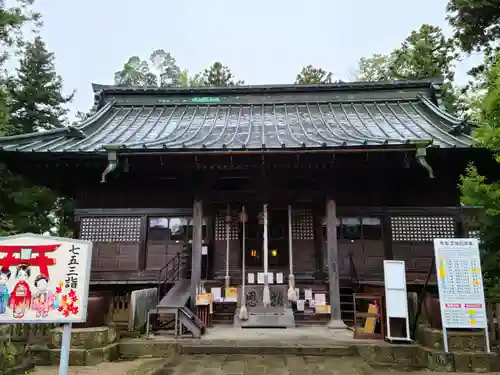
column 41, row 260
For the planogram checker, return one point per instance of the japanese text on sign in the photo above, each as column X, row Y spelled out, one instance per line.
column 44, row 279
column 460, row 283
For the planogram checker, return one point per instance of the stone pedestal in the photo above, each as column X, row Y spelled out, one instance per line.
column 277, row 315
column 89, row 346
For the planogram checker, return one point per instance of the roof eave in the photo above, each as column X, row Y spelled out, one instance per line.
column 281, row 88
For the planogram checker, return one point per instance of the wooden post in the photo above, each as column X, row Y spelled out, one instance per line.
column 333, row 265
column 196, row 250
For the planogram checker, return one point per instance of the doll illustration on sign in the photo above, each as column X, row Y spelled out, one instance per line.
column 43, row 299
column 20, row 297
column 4, row 290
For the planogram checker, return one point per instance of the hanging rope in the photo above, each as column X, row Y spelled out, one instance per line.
column 243, row 309
column 292, row 295
column 266, row 297
column 228, row 229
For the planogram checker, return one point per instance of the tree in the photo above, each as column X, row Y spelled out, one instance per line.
column 135, row 72
column 186, row 80
column 166, row 66
column 484, row 191
column 219, row 74
column 36, row 97
column 476, row 24
column 160, row 70
column 374, row 68
column 425, row 53
column 310, row 75
column 12, row 20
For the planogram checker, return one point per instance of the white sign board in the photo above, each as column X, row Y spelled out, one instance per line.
column 460, row 285
column 396, row 296
column 44, row 279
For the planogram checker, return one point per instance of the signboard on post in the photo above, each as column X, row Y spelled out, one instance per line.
column 460, row 285
column 45, row 279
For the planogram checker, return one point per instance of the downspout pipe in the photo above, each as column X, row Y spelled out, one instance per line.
column 421, row 155
column 112, row 165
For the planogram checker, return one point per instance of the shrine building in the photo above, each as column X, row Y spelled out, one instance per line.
column 315, row 184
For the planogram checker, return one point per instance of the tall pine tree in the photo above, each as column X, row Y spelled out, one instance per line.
column 36, row 103
column 37, row 100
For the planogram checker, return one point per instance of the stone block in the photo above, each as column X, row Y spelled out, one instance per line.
column 87, row 357
column 85, row 338
column 439, row 361
column 467, row 340
column 41, row 355
column 140, row 348
column 484, row 362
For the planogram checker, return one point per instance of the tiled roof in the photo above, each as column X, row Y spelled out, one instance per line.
column 247, row 120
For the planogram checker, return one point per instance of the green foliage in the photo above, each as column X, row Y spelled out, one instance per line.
column 161, row 70
column 425, row 53
column 36, row 98
column 30, row 101
column 310, row 75
column 476, row 24
column 219, row 74
column 478, row 190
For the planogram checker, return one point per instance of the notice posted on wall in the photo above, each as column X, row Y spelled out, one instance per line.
column 460, row 283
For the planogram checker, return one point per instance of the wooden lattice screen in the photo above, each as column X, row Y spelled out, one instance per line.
column 220, row 226
column 110, row 229
column 302, row 224
column 422, row 228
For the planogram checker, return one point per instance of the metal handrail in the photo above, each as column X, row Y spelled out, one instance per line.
column 353, row 274
column 172, row 275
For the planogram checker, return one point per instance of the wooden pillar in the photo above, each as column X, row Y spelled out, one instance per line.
column 319, row 248
column 143, row 245
column 387, row 235
column 333, row 265
column 196, row 250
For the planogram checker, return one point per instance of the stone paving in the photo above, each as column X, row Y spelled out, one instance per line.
column 235, row 365
column 263, row 365
column 137, row 367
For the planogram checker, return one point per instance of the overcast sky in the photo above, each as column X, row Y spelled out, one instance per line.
column 262, row 41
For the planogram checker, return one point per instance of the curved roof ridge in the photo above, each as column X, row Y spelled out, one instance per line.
column 439, row 112
column 355, row 85
column 70, row 130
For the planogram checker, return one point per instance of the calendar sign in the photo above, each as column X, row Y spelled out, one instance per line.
column 460, row 283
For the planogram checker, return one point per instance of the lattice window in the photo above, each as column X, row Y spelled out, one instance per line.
column 110, row 229
column 220, row 226
column 422, row 228
column 302, row 224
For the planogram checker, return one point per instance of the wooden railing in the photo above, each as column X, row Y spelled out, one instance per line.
column 493, row 313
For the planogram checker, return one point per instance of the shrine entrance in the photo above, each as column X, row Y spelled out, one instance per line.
column 265, row 237
column 253, row 246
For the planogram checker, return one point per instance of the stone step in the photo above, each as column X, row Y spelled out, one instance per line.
column 266, row 348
